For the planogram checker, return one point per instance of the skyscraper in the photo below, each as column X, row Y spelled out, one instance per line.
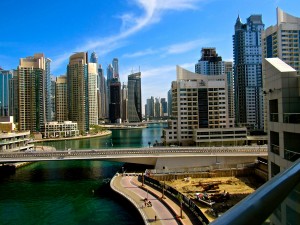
column 164, row 107
column 134, row 97
column 77, row 78
column 124, row 103
column 102, row 94
column 14, row 96
column 115, row 100
column 93, row 94
column 170, row 102
column 61, row 99
column 48, row 94
column 94, row 58
column 210, row 63
column 247, row 55
column 32, row 73
column 53, row 104
column 115, row 65
column 283, row 40
column 5, row 76
column 150, row 107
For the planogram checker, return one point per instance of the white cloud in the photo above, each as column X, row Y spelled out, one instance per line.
column 131, row 24
column 185, row 47
column 148, row 51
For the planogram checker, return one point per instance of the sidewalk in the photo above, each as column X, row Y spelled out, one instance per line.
column 130, row 187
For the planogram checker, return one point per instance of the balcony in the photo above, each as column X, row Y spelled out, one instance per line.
column 275, row 149
column 273, row 117
column 291, row 118
column 291, row 155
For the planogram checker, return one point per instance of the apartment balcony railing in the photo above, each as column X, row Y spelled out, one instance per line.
column 275, row 149
column 256, row 208
column 291, row 155
column 291, row 117
column 274, row 117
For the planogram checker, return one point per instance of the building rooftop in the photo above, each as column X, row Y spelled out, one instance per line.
column 280, row 65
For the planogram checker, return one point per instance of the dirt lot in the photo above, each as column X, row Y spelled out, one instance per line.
column 238, row 188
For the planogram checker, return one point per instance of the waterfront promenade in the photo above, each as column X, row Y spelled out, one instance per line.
column 165, row 210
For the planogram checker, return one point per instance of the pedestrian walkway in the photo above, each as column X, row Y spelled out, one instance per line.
column 158, row 213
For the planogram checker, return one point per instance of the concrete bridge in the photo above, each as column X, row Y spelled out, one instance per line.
column 160, row 157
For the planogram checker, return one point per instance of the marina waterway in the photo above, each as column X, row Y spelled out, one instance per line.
column 72, row 192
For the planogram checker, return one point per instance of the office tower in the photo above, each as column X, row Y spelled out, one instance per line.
column 115, row 65
column 93, row 93
column 48, row 94
column 5, row 76
column 210, row 63
column 282, row 93
column 102, row 94
column 61, row 98
column 124, row 103
column 199, row 102
column 94, row 58
column 53, row 104
column 170, row 102
column 150, row 107
column 32, row 81
column 134, row 97
column 164, row 107
column 14, row 96
column 283, row 40
column 247, row 55
column 115, row 101
column 77, row 78
column 146, row 112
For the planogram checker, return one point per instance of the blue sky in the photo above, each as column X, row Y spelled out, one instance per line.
column 153, row 35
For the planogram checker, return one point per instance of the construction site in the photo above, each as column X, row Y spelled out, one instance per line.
column 216, row 191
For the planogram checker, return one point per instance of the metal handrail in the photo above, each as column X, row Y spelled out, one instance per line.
column 257, row 207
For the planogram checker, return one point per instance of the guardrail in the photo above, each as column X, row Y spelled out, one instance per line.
column 258, row 206
column 176, row 194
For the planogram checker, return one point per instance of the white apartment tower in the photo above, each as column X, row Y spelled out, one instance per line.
column 198, row 102
column 93, row 93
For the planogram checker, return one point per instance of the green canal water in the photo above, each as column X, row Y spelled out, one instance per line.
column 72, row 192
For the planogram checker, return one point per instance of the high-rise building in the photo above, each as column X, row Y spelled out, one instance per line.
column 199, row 102
column 102, row 94
column 170, row 102
column 134, row 97
column 283, row 112
column 230, row 90
column 32, row 74
column 61, row 99
column 247, row 53
column 14, row 96
column 210, row 63
column 5, row 76
column 164, row 107
column 115, row 65
column 53, row 104
column 283, row 40
column 93, row 93
column 115, row 101
column 77, row 78
column 124, row 103
column 150, row 107
column 94, row 58
column 48, row 93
